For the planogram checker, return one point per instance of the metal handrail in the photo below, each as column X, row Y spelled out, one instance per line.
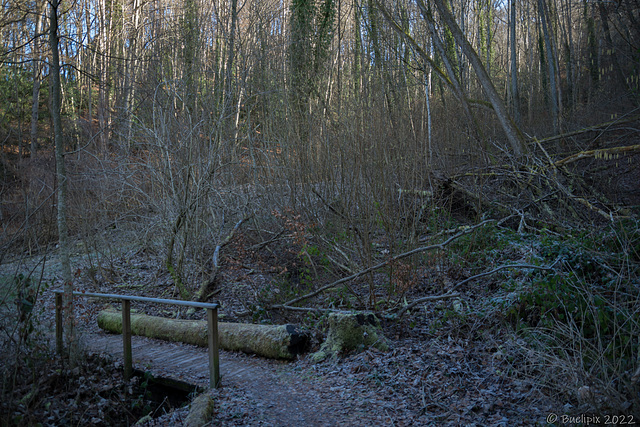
column 212, row 328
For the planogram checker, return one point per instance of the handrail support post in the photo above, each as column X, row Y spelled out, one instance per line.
column 59, row 344
column 213, row 341
column 126, row 339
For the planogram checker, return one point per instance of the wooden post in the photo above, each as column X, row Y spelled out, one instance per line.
column 59, row 323
column 126, row 338
column 214, row 355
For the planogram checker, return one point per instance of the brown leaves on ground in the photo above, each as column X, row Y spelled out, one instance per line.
column 451, row 378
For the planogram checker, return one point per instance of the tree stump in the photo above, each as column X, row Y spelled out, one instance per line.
column 348, row 332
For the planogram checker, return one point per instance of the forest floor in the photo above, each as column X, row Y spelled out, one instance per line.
column 445, row 366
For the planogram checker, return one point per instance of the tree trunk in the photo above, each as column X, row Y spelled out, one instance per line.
column 449, row 78
column 228, row 78
column 592, row 49
column 105, row 62
column 445, row 52
column 61, row 176
column 619, row 75
column 515, row 102
column 515, row 137
column 37, row 71
column 130, row 71
column 551, row 65
column 272, row 341
column 567, row 41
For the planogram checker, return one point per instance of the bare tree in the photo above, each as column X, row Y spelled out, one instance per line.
column 515, row 102
column 61, row 175
column 551, row 65
column 37, row 78
column 514, row 135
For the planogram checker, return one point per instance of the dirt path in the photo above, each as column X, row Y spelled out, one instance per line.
column 431, row 376
column 278, row 393
column 255, row 391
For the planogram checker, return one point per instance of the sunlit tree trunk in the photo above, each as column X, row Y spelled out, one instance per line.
column 446, row 51
column 515, row 102
column 37, row 71
column 61, row 176
column 514, row 136
column 229, row 75
column 104, row 63
column 427, row 93
column 130, row 67
column 485, row 21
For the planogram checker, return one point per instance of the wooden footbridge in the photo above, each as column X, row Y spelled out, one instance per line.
column 147, row 353
column 281, row 396
column 185, row 366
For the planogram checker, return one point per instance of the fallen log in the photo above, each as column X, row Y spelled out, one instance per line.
column 272, row 341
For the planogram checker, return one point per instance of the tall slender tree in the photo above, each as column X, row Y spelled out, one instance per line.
column 551, row 65
column 515, row 101
column 514, row 135
column 37, row 75
column 61, row 176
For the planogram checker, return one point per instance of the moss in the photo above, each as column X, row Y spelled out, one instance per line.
column 144, row 420
column 201, row 411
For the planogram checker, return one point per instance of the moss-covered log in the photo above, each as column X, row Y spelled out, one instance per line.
column 272, row 341
column 348, row 331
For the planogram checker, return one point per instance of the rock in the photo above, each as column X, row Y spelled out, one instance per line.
column 584, row 394
column 201, row 411
column 144, row 420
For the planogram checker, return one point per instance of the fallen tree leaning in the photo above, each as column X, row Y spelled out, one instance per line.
column 272, row 341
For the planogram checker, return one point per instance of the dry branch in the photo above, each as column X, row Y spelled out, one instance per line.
column 442, row 245
column 204, row 292
column 598, row 154
column 600, row 126
column 451, row 292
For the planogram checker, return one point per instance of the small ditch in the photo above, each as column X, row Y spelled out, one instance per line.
column 155, row 396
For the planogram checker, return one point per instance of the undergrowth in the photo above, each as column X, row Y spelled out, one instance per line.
column 575, row 326
column 581, row 322
column 39, row 388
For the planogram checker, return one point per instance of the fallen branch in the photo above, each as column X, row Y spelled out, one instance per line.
column 451, row 292
column 442, row 245
column 308, row 309
column 604, row 153
column 203, row 293
column 266, row 243
column 227, row 240
column 424, row 299
column 598, row 127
